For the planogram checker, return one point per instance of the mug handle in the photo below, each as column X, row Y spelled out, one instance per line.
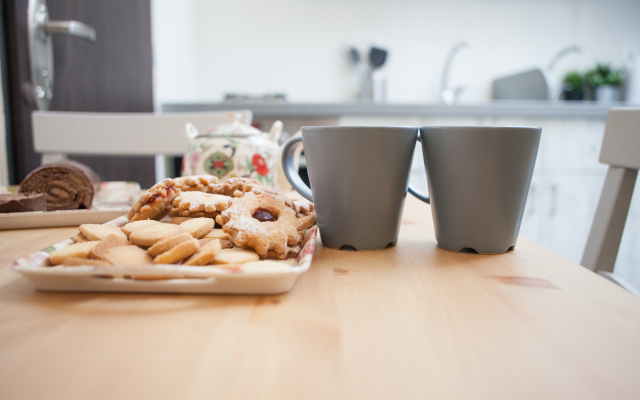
column 413, row 189
column 288, row 166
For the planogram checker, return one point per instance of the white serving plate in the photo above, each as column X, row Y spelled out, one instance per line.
column 207, row 280
column 112, row 200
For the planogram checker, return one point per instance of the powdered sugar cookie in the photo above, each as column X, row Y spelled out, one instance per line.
column 263, row 223
column 99, row 232
column 153, row 204
column 198, row 183
column 152, row 234
column 188, row 204
column 178, row 253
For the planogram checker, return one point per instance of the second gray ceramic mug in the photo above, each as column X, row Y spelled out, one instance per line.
column 479, row 179
column 359, row 178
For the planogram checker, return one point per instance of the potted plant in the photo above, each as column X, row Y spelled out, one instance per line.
column 572, row 86
column 604, row 82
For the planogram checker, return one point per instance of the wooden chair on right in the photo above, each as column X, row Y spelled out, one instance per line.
column 621, row 150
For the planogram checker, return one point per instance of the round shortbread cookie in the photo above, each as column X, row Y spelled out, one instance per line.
column 178, row 253
column 152, row 234
column 154, row 202
column 78, row 262
column 216, row 234
column 107, row 244
column 198, row 227
column 235, row 256
column 179, row 220
column 135, row 225
column 99, row 232
column 189, row 203
column 266, row 266
column 205, row 254
column 168, row 243
column 128, row 256
column 80, row 238
column 77, row 250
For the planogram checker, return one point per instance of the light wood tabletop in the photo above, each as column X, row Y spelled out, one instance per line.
column 409, row 322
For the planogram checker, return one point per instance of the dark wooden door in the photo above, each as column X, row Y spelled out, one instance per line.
column 112, row 75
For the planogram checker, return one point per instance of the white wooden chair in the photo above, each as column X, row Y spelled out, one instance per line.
column 57, row 134
column 621, row 150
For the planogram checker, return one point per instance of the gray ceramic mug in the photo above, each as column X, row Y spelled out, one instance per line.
column 359, row 178
column 479, row 179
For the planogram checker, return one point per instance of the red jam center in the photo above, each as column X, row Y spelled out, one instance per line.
column 263, row 215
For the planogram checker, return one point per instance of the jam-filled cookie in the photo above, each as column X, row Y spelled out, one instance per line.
column 154, row 203
column 262, row 222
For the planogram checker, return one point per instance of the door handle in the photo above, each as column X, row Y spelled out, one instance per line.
column 71, row 28
column 38, row 92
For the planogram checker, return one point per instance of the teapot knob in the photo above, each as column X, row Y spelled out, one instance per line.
column 190, row 130
column 276, row 131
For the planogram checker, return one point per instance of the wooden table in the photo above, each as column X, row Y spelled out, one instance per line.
column 409, row 322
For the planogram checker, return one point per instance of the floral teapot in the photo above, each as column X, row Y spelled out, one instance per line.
column 232, row 150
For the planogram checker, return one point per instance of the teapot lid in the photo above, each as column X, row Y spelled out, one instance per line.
column 233, row 127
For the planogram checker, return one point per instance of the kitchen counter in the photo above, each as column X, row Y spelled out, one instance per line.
column 534, row 109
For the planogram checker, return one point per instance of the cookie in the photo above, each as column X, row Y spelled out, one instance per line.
column 107, row 244
column 265, row 266
column 226, row 243
column 132, row 226
column 178, row 253
column 154, row 202
column 205, row 254
column 293, row 252
column 232, row 185
column 196, row 204
column 198, row 227
column 77, row 250
column 80, row 238
column 130, row 256
column 78, row 262
column 303, row 207
column 179, row 220
column 216, row 234
column 152, row 234
column 307, row 221
column 198, row 183
column 167, row 244
column 99, row 232
column 234, row 256
column 263, row 223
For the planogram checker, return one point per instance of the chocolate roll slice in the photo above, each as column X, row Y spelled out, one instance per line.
column 22, row 202
column 69, row 185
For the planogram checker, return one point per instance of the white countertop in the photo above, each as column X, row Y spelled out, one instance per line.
column 544, row 109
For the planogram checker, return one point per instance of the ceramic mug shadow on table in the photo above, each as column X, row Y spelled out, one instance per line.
column 359, row 178
column 479, row 178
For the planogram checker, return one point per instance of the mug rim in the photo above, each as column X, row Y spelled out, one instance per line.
column 479, row 127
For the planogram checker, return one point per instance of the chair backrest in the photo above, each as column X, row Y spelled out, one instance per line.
column 621, row 143
column 120, row 133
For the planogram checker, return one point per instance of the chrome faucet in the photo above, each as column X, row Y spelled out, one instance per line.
column 554, row 90
column 450, row 95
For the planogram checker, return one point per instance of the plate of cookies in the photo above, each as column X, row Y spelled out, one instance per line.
column 186, row 235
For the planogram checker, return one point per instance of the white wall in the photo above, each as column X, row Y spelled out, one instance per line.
column 204, row 49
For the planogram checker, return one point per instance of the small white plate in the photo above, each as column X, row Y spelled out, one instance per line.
column 112, row 200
